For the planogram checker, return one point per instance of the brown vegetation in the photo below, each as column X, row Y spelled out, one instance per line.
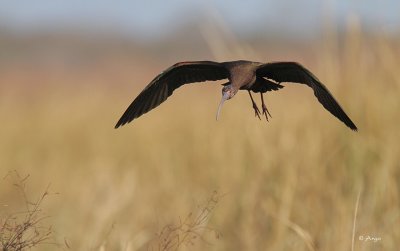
column 22, row 230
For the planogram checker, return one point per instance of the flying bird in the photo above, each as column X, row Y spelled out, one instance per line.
column 242, row 75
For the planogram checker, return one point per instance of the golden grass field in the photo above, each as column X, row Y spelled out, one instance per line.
column 290, row 184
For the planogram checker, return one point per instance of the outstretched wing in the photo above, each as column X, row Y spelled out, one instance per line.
column 296, row 73
column 161, row 87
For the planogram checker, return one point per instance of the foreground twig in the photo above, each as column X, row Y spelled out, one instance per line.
column 25, row 229
column 172, row 236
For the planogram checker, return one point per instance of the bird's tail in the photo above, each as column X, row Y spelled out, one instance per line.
column 265, row 85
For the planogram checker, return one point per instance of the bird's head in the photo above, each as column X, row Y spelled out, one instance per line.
column 227, row 93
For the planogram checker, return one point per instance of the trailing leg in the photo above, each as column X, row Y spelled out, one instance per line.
column 264, row 108
column 256, row 110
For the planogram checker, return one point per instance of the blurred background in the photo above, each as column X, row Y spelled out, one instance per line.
column 176, row 178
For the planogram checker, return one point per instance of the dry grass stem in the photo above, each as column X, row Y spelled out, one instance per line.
column 25, row 229
column 353, row 236
column 188, row 230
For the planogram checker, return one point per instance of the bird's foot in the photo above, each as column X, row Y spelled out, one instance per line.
column 265, row 111
column 264, row 108
column 255, row 107
column 256, row 111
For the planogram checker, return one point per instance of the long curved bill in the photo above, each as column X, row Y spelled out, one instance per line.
column 224, row 97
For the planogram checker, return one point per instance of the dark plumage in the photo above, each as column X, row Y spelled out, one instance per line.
column 242, row 75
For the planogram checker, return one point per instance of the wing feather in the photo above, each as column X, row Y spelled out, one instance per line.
column 162, row 86
column 296, row 73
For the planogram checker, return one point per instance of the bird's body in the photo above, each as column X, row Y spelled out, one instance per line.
column 242, row 75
